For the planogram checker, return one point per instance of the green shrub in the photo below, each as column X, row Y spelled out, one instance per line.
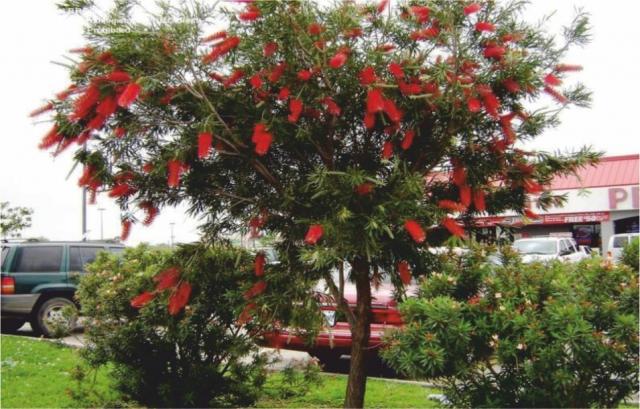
column 196, row 358
column 630, row 254
column 517, row 335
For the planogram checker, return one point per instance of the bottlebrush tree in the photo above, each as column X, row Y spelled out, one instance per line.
column 352, row 131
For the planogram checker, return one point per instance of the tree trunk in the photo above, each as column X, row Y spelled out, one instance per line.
column 360, row 332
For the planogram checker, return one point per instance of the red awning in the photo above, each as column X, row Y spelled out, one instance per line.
column 610, row 171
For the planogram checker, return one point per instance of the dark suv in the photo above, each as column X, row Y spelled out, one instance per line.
column 39, row 280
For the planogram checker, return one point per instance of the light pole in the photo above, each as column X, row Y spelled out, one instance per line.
column 171, row 242
column 101, row 210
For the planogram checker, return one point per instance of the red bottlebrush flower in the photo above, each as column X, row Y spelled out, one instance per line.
column 453, row 226
column 369, row 120
column 255, row 81
column 314, row 233
column 421, row 13
column 387, row 150
column 129, row 95
column 353, row 32
column 270, row 49
column 304, row 75
column 479, row 200
column 252, row 13
column 473, row 105
column 368, row 76
column 71, row 89
column 151, row 212
column 141, row 300
column 51, row 138
column 83, row 137
column 338, row 60
column 459, row 174
column 221, row 49
column 255, row 290
column 246, row 314
column 205, row 139
column 409, row 89
column 295, row 109
column 107, row 106
column 167, row 278
column 531, row 186
column 320, row 44
column 382, row 5
column 556, row 95
column 472, row 8
column 375, row 101
column 465, row 195
column 179, row 298
column 385, row 48
column 407, row 141
column 119, row 132
column 219, row 35
column 126, row 230
column 552, row 80
column 507, row 130
column 41, row 110
column 82, row 50
column 117, row 76
column 567, row 67
column 494, row 52
column 277, row 72
column 511, row 85
column 284, row 93
column 84, row 103
column 364, row 189
column 415, row 230
column 392, row 111
column 174, row 170
column 451, row 205
column 396, row 70
column 121, row 190
column 485, row 26
column 107, row 58
column 315, row 29
column 489, row 100
column 96, row 122
column 262, row 139
column 405, row 272
column 258, row 264
column 148, row 167
column 332, row 107
column 531, row 214
column 235, row 76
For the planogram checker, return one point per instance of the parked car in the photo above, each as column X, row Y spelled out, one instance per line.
column 39, row 280
column 549, row 248
column 617, row 243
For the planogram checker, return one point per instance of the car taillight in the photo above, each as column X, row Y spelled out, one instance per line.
column 8, row 285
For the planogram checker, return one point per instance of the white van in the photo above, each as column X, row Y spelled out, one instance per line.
column 617, row 243
column 548, row 248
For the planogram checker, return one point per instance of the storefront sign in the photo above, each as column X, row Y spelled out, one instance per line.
column 565, row 218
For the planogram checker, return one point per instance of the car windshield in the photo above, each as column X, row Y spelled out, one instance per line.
column 535, row 246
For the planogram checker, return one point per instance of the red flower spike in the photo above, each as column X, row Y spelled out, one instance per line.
column 485, row 26
column 107, row 106
column 220, row 35
column 270, row 49
column 507, row 130
column 407, row 141
column 205, row 139
column 531, row 186
column 421, row 13
column 96, row 122
column 472, row 8
column 387, row 150
column 121, row 190
column 221, row 49
column 41, row 110
column 180, row 297
column 257, row 289
column 174, row 170
column 338, row 60
column 246, row 314
column 465, row 195
column 141, row 300
column 364, row 189
column 332, row 107
column 392, row 111
column 167, row 278
column 235, row 76
column 255, row 81
column 382, row 5
column 474, row 105
column 129, row 95
column 489, row 100
column 277, row 72
column 459, row 174
column 284, row 93
column 552, row 80
column 453, row 227
column 258, row 264
column 304, row 75
column 567, row 67
column 375, row 101
column 369, row 120
column 126, row 230
column 479, row 200
column 556, row 95
column 353, row 32
column 314, row 233
column 315, row 29
column 511, row 85
column 71, row 89
column 494, row 52
column 84, row 137
column 415, row 230
column 531, row 214
column 405, row 272
column 151, row 212
column 295, row 109
column 51, row 138
column 262, row 139
column 396, row 70
column 368, row 76
column 252, row 13
column 117, row 76
column 84, row 103
column 451, row 205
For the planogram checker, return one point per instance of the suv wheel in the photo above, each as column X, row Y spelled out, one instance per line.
column 11, row 324
column 56, row 317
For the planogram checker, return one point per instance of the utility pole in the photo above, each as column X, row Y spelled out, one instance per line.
column 101, row 210
column 171, row 242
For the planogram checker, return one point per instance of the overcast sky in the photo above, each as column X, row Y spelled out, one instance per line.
column 34, row 34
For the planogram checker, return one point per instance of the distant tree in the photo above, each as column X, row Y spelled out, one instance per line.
column 13, row 220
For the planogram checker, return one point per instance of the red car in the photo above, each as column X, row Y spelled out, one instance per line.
column 335, row 339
